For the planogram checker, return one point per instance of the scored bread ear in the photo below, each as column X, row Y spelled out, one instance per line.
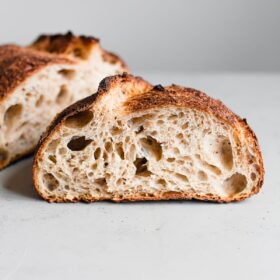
column 38, row 81
column 134, row 141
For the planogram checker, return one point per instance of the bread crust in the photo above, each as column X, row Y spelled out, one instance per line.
column 18, row 63
column 155, row 97
column 62, row 43
column 68, row 44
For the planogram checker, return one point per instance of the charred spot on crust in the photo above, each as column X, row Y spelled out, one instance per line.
column 78, row 46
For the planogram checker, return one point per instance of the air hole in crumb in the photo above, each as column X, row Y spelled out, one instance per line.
column 161, row 182
column 151, row 147
column 180, row 162
column 67, row 73
column 185, row 126
column 66, row 187
column 180, row 136
column 171, row 159
column 79, row 120
column 108, row 147
column 120, row 151
column 97, row 153
column 94, row 166
column 172, row 117
column 50, row 181
column 202, row 176
column 120, row 181
column 181, row 177
column 39, row 101
column 52, row 158
column 101, row 182
column 116, row 130
column 226, row 151
column 214, row 169
column 142, row 119
column 28, row 95
column 78, row 143
column 141, row 167
column 12, row 115
column 219, row 149
column 105, row 156
column 63, row 96
column 235, row 184
column 253, row 176
column 140, row 129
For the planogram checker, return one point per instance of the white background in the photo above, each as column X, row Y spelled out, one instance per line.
column 192, row 35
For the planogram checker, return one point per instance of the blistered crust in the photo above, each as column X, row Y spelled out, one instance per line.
column 67, row 44
column 77, row 46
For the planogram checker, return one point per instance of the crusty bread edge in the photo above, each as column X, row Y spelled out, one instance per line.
column 68, row 40
column 219, row 110
column 30, row 60
column 36, row 60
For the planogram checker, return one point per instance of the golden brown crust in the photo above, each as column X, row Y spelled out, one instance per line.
column 155, row 97
column 149, row 197
column 180, row 97
column 17, row 64
column 67, row 44
column 76, row 46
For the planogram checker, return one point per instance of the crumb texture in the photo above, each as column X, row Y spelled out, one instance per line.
column 38, row 82
column 165, row 152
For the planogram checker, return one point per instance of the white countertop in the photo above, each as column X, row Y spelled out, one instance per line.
column 155, row 240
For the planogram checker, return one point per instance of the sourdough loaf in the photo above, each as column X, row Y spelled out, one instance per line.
column 38, row 81
column 133, row 141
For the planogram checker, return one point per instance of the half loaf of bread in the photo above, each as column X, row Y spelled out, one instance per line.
column 133, row 141
column 38, row 81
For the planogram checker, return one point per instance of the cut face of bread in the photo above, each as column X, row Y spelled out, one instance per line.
column 39, row 81
column 133, row 141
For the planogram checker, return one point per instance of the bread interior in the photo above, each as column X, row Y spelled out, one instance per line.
column 111, row 154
